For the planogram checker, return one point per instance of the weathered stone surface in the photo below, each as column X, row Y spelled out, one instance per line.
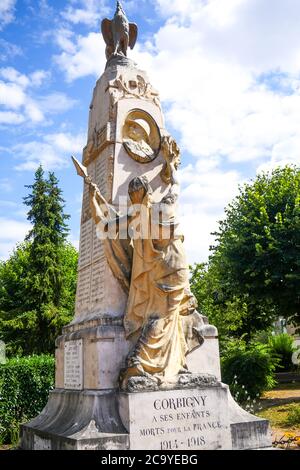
column 142, row 384
column 191, row 419
column 247, row 431
column 196, row 380
column 185, row 380
column 73, row 420
column 41, row 444
column 104, row 352
column 206, row 359
column 91, row 419
column 105, row 349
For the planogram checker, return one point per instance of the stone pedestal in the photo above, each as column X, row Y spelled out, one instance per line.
column 201, row 418
column 104, row 349
column 73, row 420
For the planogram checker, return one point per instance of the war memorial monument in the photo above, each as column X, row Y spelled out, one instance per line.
column 138, row 367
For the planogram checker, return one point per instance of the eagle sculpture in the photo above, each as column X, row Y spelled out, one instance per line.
column 118, row 33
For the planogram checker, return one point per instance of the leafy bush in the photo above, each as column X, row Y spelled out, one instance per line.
column 24, row 387
column 293, row 417
column 248, row 369
column 282, row 346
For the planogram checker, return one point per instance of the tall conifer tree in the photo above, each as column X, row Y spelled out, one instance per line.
column 41, row 272
column 47, row 235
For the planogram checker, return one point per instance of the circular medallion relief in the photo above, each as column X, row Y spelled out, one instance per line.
column 141, row 136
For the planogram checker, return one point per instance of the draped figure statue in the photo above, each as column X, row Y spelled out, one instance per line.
column 145, row 251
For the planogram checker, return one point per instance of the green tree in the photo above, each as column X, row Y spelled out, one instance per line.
column 227, row 314
column 38, row 281
column 48, row 235
column 257, row 251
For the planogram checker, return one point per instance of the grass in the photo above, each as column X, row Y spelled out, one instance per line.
column 284, row 416
column 285, row 425
column 293, row 417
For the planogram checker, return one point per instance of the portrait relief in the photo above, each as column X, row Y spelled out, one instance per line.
column 141, row 136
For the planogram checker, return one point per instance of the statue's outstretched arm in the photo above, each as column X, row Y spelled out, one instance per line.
column 98, row 208
column 101, row 209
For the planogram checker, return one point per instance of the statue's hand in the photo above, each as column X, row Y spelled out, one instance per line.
column 93, row 188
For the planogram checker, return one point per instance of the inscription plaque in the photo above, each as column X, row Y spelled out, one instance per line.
column 73, row 366
column 190, row 419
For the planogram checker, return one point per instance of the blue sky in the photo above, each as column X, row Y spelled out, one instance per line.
column 229, row 77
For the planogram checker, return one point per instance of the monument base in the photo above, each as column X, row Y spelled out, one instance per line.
column 200, row 418
column 77, row 420
column 102, row 349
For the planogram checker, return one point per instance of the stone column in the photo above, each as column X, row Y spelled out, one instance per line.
column 123, row 92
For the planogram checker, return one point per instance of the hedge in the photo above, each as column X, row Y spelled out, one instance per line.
column 248, row 369
column 24, row 388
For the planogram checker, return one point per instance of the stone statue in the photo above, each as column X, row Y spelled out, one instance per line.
column 149, row 261
column 118, row 33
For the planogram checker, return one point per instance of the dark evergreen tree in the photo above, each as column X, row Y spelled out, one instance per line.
column 38, row 282
column 47, row 235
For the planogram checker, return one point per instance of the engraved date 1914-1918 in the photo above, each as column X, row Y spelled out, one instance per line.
column 191, row 442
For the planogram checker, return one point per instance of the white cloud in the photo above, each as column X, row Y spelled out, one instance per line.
column 286, row 152
column 9, row 50
column 12, row 229
column 178, row 7
column 7, row 8
column 38, row 77
column 206, row 190
column 53, row 151
column 11, row 232
column 84, row 56
column 63, row 38
column 6, row 248
column 219, row 98
column 9, row 117
column 19, row 102
column 12, row 75
column 221, row 109
column 229, row 76
column 12, row 95
column 55, row 103
column 88, row 12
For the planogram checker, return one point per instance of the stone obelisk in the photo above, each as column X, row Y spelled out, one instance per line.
column 87, row 410
column 122, row 95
